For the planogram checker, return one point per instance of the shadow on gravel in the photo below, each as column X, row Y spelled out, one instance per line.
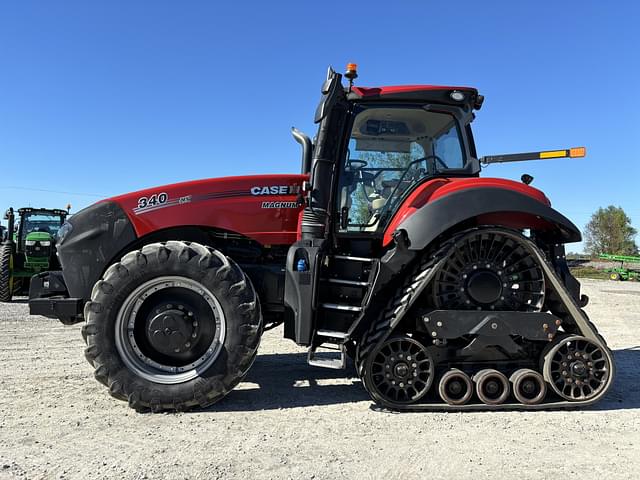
column 20, row 300
column 625, row 392
column 287, row 381
column 623, row 292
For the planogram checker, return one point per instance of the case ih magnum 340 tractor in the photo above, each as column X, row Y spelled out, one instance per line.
column 448, row 290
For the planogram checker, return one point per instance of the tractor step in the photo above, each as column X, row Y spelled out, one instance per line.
column 345, row 290
column 328, row 358
column 332, row 334
column 351, row 258
column 343, row 281
column 344, row 307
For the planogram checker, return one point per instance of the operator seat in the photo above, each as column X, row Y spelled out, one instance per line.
column 377, row 204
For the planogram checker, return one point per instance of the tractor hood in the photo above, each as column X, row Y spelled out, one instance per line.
column 262, row 207
column 38, row 236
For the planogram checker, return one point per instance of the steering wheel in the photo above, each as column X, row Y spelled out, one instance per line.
column 357, row 164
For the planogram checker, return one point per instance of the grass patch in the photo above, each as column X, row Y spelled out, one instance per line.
column 589, row 272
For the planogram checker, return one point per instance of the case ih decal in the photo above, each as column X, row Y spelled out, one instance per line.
column 276, row 190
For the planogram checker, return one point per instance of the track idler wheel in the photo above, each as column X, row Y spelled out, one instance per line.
column 578, row 369
column 492, row 386
column 400, row 371
column 489, row 270
column 455, row 387
column 528, row 386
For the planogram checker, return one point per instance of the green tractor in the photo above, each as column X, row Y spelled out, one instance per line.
column 28, row 247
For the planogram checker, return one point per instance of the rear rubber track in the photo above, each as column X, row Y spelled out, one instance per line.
column 414, row 285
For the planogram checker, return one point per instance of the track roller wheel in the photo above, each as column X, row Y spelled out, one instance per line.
column 455, row 387
column 528, row 386
column 400, row 371
column 578, row 369
column 492, row 386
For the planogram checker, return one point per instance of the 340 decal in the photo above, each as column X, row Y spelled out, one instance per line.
column 152, row 200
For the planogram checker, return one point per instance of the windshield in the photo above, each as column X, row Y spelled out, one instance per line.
column 392, row 149
column 40, row 222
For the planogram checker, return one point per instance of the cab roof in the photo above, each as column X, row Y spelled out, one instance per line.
column 427, row 93
column 52, row 211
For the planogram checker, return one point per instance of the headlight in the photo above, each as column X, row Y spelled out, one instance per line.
column 30, row 243
column 457, row 95
column 64, row 230
column 46, row 243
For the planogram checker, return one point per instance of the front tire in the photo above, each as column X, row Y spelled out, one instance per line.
column 172, row 326
column 6, row 284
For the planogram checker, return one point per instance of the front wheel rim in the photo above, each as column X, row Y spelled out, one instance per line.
column 139, row 351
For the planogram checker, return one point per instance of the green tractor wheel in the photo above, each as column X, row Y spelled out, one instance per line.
column 6, row 277
column 615, row 276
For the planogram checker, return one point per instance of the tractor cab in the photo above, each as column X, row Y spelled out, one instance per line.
column 390, row 151
column 37, row 228
column 375, row 145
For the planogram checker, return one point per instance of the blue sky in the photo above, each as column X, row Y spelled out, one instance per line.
column 99, row 98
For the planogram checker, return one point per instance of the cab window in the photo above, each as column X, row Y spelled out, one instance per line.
column 392, row 149
column 447, row 147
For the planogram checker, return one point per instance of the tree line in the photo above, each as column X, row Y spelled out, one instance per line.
column 610, row 231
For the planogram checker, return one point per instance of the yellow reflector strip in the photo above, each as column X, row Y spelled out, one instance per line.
column 578, row 152
column 553, row 154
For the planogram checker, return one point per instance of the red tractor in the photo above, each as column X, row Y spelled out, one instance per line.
column 448, row 290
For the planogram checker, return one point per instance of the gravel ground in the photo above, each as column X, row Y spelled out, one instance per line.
column 290, row 420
